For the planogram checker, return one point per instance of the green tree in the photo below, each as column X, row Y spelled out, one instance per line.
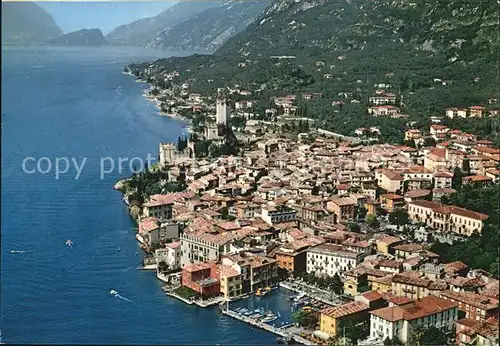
column 353, row 329
column 335, row 284
column 392, row 342
column 429, row 336
column 398, row 217
column 372, row 221
column 306, row 319
column 354, row 227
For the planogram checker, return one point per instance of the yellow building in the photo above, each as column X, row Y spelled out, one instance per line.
column 386, row 243
column 331, row 317
column 383, row 284
column 230, row 281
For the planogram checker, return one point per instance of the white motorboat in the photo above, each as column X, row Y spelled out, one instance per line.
column 269, row 317
column 113, row 292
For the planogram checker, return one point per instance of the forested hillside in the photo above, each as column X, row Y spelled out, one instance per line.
column 433, row 55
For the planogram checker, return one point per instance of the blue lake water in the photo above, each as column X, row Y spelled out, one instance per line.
column 76, row 103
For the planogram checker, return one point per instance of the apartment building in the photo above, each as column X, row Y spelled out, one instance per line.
column 389, row 180
column 330, row 259
column 330, row 318
column 277, row 214
column 344, row 208
column 199, row 277
column 203, row 247
column 472, row 332
column 159, row 206
column 255, row 271
column 472, row 305
column 416, row 286
column 446, row 218
column 401, row 322
column 455, row 112
column 170, row 254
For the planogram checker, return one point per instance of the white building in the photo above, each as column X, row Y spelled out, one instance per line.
column 456, row 113
column 330, row 259
column 170, row 254
column 222, row 112
column 203, row 247
column 401, row 322
column 276, row 214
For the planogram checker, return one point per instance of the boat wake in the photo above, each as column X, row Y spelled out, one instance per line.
column 19, row 251
column 115, row 293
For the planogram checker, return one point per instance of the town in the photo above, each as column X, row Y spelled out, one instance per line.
column 247, row 204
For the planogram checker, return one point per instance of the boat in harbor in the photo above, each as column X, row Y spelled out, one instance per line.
column 269, row 317
column 261, row 292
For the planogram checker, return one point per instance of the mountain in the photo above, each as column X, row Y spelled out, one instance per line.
column 432, row 54
column 143, row 31
column 211, row 28
column 84, row 37
column 25, row 23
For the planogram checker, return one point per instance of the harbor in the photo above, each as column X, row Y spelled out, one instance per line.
column 272, row 312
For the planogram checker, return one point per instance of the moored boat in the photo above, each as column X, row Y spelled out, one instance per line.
column 261, row 292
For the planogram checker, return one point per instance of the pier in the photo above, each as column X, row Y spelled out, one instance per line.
column 281, row 331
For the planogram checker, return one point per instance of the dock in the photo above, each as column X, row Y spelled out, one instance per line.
column 281, row 331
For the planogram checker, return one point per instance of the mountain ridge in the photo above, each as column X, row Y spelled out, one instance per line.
column 82, row 37
column 26, row 23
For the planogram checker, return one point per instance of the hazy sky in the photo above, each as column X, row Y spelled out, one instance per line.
column 71, row 16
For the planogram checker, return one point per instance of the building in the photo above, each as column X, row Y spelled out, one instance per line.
column 172, row 255
column 199, row 278
column 472, row 332
column 344, row 208
column 472, row 305
column 159, row 206
column 276, row 214
column 292, row 257
column 456, row 112
column 256, row 271
column 167, row 154
column 401, row 322
column 391, row 201
column 386, row 244
column 331, row 259
column 230, row 281
column 446, row 218
column 412, row 134
column 153, row 232
column 416, row 195
column 382, row 99
column 222, row 112
column 476, row 111
column 415, row 286
column 330, row 318
column 203, row 247
column 389, row 180
column 384, row 110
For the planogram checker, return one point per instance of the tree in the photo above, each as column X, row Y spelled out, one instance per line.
column 398, row 217
column 354, row 330
column 429, row 336
column 354, row 227
column 162, row 267
column 305, row 319
column 335, row 284
column 372, row 221
column 392, row 342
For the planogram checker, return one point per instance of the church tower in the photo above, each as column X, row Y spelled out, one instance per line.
column 222, row 112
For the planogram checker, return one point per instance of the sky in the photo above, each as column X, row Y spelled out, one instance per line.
column 71, row 16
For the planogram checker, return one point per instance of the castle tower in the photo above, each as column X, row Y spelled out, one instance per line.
column 167, row 153
column 222, row 113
